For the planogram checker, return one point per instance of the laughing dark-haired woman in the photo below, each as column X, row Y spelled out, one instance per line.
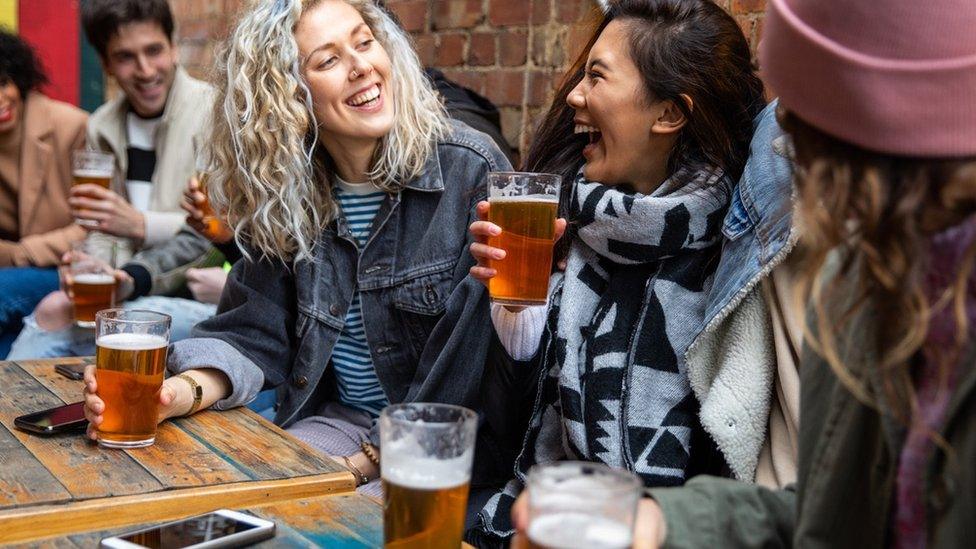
column 37, row 135
column 649, row 132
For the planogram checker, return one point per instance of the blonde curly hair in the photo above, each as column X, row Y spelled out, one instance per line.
column 269, row 175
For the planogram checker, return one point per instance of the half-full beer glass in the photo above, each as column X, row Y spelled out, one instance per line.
column 89, row 283
column 92, row 167
column 581, row 505
column 427, row 450
column 524, row 206
column 130, row 359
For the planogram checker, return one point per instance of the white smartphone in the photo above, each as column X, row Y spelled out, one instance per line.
column 221, row 528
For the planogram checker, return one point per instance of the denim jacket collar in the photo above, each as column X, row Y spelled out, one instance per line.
column 431, row 179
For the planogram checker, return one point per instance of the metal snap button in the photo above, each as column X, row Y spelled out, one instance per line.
column 334, row 310
column 301, row 382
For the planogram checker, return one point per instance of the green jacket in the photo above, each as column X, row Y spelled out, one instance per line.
column 848, row 454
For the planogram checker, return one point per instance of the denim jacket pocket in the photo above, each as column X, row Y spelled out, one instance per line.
column 426, row 294
column 737, row 220
column 421, row 302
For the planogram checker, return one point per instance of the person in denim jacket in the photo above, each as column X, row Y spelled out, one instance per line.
column 349, row 191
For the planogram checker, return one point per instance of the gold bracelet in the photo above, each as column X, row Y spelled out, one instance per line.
column 197, row 392
column 370, row 453
column 363, row 479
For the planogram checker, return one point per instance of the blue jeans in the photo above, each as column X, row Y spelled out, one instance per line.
column 21, row 289
column 36, row 342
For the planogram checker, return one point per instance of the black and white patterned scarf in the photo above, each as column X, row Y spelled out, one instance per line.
column 615, row 388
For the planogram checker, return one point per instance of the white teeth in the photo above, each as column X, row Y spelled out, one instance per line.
column 365, row 97
column 583, row 128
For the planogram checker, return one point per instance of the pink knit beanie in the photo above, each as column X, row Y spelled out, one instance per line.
column 892, row 76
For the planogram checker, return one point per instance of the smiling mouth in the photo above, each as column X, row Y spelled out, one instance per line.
column 366, row 98
column 148, row 88
column 6, row 114
column 592, row 132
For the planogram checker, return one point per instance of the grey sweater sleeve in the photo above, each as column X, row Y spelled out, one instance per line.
column 246, row 378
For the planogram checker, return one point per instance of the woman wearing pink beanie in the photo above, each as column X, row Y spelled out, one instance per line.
column 880, row 99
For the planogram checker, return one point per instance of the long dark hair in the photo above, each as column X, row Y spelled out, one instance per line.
column 689, row 47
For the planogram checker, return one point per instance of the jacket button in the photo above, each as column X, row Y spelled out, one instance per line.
column 301, row 382
column 334, row 310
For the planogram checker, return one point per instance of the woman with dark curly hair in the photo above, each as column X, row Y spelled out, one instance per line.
column 37, row 135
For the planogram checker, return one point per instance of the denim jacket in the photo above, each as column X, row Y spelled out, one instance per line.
column 277, row 323
column 731, row 362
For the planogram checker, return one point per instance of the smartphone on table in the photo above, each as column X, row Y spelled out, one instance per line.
column 221, row 528
column 69, row 417
column 71, row 371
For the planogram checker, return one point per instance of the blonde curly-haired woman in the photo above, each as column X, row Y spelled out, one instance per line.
column 350, row 192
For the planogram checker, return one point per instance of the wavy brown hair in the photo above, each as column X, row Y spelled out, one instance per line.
column 878, row 213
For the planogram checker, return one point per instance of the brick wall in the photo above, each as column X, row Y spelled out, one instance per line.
column 512, row 51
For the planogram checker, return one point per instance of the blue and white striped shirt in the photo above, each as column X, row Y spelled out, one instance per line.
column 358, row 385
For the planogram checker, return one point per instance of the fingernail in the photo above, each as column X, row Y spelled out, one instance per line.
column 495, row 229
column 498, row 255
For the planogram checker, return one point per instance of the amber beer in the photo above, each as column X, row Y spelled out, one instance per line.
column 213, row 228
column 83, row 177
column 421, row 513
column 130, row 359
column 528, row 231
column 90, row 293
column 426, row 469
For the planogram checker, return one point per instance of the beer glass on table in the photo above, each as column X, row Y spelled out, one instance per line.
column 426, row 471
column 581, row 505
column 89, row 283
column 524, row 206
column 130, row 358
column 92, row 167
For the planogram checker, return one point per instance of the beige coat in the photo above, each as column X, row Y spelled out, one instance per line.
column 186, row 114
column 52, row 130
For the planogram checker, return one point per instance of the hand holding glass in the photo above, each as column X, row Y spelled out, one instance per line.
column 581, row 505
column 524, row 206
column 130, row 359
column 90, row 284
column 92, row 168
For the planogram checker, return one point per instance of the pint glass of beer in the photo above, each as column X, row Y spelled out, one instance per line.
column 89, row 283
column 427, row 450
column 581, row 505
column 130, row 359
column 92, row 167
column 524, row 206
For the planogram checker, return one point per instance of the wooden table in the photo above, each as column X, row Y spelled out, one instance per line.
column 64, row 484
column 346, row 521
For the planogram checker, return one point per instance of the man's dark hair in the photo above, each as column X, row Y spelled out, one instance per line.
column 101, row 19
column 19, row 64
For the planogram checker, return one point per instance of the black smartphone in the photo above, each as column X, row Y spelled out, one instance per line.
column 71, row 371
column 69, row 417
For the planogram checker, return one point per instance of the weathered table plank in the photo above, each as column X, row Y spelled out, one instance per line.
column 176, row 460
column 83, row 469
column 23, row 479
column 64, row 484
column 337, row 521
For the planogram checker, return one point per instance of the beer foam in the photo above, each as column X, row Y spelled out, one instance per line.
column 577, row 529
column 545, row 198
column 93, row 278
column 403, row 467
column 131, row 342
column 95, row 174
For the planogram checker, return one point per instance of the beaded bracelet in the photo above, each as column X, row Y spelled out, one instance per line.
column 370, row 453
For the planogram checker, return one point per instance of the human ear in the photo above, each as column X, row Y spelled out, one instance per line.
column 670, row 117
